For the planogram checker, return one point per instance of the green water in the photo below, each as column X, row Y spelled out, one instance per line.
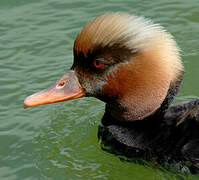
column 59, row 141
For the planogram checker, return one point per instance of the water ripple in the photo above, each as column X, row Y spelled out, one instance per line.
column 59, row 141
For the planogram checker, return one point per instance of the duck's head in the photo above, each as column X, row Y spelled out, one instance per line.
column 123, row 60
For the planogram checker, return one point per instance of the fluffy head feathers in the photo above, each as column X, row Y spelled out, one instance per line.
column 141, row 80
column 134, row 33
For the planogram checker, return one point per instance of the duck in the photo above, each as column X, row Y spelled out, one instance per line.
column 135, row 67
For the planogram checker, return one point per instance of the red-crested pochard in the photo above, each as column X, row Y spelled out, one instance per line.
column 133, row 66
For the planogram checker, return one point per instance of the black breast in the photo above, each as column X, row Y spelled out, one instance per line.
column 174, row 137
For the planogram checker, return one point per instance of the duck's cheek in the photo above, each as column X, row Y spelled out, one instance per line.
column 90, row 86
column 117, row 80
column 99, row 85
column 94, row 88
column 85, row 81
column 86, row 85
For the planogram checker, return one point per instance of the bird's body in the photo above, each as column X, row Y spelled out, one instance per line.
column 171, row 134
column 133, row 66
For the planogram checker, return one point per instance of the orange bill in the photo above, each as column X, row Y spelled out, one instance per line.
column 66, row 88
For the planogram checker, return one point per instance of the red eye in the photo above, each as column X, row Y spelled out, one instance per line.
column 98, row 64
